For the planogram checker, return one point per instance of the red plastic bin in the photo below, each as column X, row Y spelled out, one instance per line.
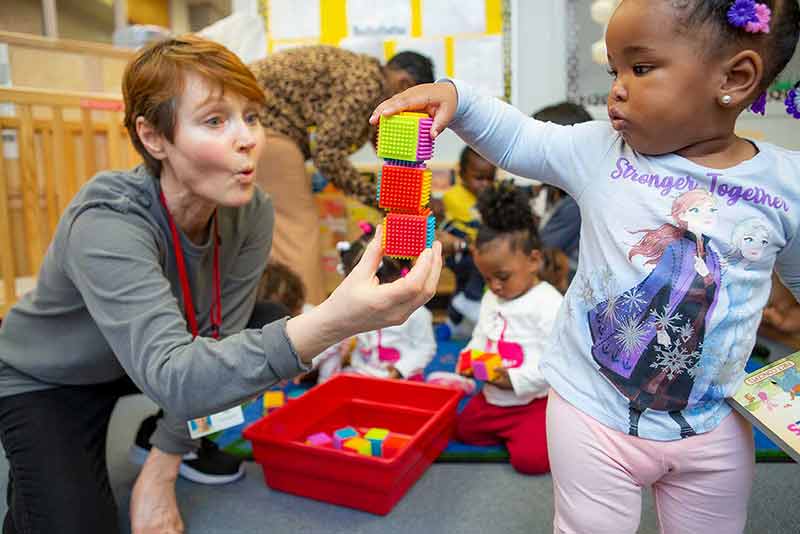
column 424, row 412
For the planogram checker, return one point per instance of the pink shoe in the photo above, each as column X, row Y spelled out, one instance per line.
column 452, row 380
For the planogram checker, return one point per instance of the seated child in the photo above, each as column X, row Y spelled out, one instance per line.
column 280, row 293
column 396, row 352
column 457, row 232
column 516, row 316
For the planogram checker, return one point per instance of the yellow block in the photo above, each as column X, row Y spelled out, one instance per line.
column 360, row 445
column 273, row 399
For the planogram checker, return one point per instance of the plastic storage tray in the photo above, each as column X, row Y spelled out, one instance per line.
column 424, row 413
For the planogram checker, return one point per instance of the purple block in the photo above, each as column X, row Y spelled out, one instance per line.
column 479, row 370
column 424, row 142
column 320, row 439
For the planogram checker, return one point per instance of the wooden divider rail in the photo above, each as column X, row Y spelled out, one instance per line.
column 51, row 144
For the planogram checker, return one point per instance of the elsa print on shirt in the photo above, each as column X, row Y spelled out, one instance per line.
column 729, row 344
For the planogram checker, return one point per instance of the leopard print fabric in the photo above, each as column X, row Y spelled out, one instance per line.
column 321, row 97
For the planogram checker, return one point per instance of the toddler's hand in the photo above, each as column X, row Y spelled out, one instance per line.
column 503, row 381
column 439, row 100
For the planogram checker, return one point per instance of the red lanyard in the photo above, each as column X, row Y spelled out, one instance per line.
column 215, row 313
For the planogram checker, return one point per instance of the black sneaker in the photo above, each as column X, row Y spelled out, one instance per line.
column 206, row 465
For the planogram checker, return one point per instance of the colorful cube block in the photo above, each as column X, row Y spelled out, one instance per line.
column 320, row 439
column 360, row 445
column 405, row 136
column 273, row 399
column 376, row 437
column 393, row 445
column 294, row 394
column 464, row 363
column 485, row 365
column 406, row 235
column 343, row 434
column 403, row 188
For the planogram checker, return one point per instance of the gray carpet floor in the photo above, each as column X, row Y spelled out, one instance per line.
column 449, row 498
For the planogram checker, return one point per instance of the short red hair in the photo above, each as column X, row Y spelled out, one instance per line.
column 154, row 79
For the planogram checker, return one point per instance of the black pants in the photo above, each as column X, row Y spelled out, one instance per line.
column 55, row 442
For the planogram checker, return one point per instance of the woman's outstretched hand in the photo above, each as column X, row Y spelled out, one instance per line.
column 439, row 100
column 362, row 304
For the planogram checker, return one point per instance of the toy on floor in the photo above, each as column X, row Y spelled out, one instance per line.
column 273, row 400
column 404, row 187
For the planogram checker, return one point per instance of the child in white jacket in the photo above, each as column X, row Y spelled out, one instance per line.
column 515, row 321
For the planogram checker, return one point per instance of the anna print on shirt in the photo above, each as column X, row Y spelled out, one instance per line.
column 648, row 341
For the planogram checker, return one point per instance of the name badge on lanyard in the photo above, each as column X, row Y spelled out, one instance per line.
column 203, row 426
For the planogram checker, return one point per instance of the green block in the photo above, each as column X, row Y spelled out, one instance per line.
column 398, row 136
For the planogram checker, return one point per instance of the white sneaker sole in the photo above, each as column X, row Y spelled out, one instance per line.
column 137, row 455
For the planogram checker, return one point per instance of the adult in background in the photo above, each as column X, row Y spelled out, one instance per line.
column 318, row 100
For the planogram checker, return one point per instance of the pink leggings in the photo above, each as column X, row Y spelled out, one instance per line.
column 700, row 484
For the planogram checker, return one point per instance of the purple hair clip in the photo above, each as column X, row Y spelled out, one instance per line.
column 793, row 101
column 752, row 16
column 760, row 104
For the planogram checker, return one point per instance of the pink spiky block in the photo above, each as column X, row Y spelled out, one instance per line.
column 404, row 188
column 406, row 235
column 425, row 141
column 320, row 439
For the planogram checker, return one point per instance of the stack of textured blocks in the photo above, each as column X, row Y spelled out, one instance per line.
column 404, row 187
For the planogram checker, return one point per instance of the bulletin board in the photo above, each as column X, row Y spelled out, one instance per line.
column 466, row 39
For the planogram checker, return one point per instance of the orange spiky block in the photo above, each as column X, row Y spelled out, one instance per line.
column 404, row 188
column 406, row 235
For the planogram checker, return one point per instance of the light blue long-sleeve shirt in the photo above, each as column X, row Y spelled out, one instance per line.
column 655, row 267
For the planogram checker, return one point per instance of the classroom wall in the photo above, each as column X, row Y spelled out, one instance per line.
column 538, row 68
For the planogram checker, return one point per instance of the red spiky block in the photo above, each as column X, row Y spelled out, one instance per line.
column 405, row 234
column 404, row 188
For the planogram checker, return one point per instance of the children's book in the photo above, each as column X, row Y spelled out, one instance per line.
column 770, row 399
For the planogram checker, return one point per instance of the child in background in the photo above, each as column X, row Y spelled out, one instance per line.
column 456, row 234
column 281, row 284
column 280, row 293
column 516, row 317
column 660, row 187
column 396, row 352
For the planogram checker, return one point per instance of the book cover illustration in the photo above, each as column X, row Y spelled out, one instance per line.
column 770, row 399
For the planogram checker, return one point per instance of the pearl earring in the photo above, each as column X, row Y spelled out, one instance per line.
column 726, row 100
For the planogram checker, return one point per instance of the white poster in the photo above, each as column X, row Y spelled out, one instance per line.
column 294, row 19
column 386, row 18
column 479, row 61
column 433, row 48
column 372, row 46
column 449, row 17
